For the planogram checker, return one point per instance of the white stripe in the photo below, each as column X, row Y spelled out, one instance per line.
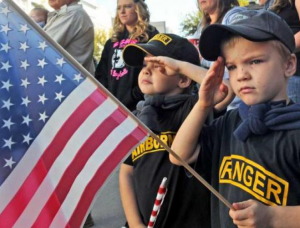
column 91, row 167
column 152, row 218
column 47, row 187
column 160, row 196
column 156, row 207
column 15, row 180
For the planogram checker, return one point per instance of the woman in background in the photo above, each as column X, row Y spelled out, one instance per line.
column 131, row 26
column 289, row 10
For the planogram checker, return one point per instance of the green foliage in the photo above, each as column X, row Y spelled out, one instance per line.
column 101, row 36
column 190, row 23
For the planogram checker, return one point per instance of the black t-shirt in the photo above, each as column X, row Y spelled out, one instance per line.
column 265, row 168
column 187, row 201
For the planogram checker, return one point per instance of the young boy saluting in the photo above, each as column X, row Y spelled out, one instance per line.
column 253, row 153
column 167, row 104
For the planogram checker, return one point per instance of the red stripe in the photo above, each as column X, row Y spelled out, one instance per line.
column 88, row 148
column 15, row 208
column 151, row 224
column 161, row 190
column 157, row 202
column 102, row 173
column 154, row 213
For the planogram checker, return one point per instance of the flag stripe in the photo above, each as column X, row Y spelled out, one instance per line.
column 102, row 174
column 19, row 174
column 35, row 178
column 91, row 167
column 63, row 172
column 72, row 171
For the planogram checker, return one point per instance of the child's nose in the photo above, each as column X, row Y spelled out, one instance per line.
column 243, row 74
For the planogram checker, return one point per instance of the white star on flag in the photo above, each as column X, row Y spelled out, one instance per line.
column 5, row 66
column 60, row 62
column 24, row 28
column 5, row 47
column 9, row 162
column 25, row 101
column 42, row 99
column 42, row 45
column 24, row 64
column 42, row 80
column 59, row 96
column 5, row 29
column 43, row 116
column 5, row 10
column 25, row 82
column 26, row 120
column 7, row 123
column 23, row 46
column 7, row 104
column 77, row 77
column 6, row 85
column 8, row 143
column 27, row 138
column 42, row 63
column 59, row 78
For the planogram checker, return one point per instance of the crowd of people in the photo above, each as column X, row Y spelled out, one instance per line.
column 229, row 108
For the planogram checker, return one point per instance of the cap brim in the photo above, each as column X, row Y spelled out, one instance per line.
column 213, row 35
column 133, row 54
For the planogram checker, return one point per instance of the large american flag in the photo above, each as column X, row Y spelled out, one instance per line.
column 61, row 135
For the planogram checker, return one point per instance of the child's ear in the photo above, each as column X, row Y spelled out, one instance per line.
column 291, row 66
column 184, row 82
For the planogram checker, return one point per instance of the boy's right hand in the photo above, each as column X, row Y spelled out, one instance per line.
column 170, row 65
column 212, row 91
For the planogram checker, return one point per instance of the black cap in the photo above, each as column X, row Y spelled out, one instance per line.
column 162, row 44
column 253, row 25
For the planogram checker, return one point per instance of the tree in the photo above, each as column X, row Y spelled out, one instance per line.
column 190, row 23
column 101, row 36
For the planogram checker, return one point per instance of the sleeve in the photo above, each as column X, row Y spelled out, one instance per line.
column 101, row 73
column 128, row 160
column 63, row 30
column 229, row 17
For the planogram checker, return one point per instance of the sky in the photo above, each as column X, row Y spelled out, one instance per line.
column 171, row 11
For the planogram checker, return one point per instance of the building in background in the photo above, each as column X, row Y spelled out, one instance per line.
column 160, row 26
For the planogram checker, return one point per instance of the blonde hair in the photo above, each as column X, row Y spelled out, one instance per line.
column 278, row 5
column 223, row 6
column 140, row 31
column 282, row 50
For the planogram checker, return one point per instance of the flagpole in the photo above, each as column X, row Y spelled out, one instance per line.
column 158, row 202
column 94, row 80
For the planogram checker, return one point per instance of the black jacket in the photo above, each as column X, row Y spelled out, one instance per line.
column 113, row 74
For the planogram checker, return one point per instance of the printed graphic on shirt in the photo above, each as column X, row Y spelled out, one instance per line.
column 254, row 179
column 118, row 65
column 152, row 146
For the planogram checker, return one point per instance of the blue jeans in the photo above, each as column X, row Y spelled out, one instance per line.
column 294, row 88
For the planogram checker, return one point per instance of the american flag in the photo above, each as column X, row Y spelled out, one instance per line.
column 61, row 135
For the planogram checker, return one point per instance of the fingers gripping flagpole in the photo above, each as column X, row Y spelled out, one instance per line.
column 158, row 202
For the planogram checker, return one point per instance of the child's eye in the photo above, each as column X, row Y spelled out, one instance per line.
column 230, row 68
column 256, row 61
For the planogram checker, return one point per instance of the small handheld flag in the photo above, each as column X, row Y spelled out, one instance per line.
column 158, row 202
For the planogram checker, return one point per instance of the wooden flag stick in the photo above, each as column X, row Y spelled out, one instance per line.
column 192, row 171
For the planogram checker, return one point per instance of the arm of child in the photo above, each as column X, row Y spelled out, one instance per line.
column 212, row 91
column 252, row 213
column 128, row 197
column 194, row 72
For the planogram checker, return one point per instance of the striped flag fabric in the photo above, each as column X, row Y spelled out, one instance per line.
column 61, row 134
column 162, row 191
